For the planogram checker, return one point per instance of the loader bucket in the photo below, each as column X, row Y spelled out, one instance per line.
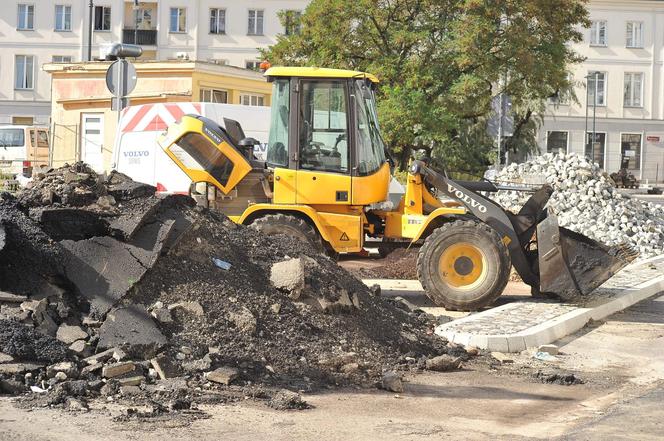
column 572, row 265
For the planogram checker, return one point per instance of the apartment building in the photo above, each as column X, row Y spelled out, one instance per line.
column 36, row 32
column 624, row 50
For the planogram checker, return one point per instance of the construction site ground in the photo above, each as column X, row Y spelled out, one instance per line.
column 618, row 365
column 126, row 315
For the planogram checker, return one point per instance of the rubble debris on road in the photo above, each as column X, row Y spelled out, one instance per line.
column 443, row 363
column 545, row 356
column 287, row 400
column 223, row 375
column 549, row 349
column 564, row 379
column 392, row 381
column 502, row 357
column 586, row 201
column 121, row 299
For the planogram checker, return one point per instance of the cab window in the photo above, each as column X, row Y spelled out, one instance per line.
column 196, row 152
column 370, row 146
column 323, row 137
column 277, row 146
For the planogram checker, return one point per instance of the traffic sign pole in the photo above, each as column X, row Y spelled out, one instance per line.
column 121, row 86
column 121, row 80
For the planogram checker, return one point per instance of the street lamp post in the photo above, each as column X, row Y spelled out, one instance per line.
column 585, row 133
column 592, row 150
column 91, row 7
column 593, row 75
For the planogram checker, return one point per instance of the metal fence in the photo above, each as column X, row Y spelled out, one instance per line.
column 63, row 138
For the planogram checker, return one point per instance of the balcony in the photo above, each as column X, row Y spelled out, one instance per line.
column 143, row 37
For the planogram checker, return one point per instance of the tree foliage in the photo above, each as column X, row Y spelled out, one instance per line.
column 441, row 62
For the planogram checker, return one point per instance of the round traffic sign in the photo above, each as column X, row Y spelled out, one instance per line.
column 121, row 73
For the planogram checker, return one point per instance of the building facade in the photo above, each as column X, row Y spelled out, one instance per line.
column 619, row 88
column 36, row 32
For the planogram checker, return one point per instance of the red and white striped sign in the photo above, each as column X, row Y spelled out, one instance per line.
column 155, row 117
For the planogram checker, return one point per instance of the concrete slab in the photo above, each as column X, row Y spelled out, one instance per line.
column 516, row 326
column 104, row 269
column 125, row 226
column 132, row 329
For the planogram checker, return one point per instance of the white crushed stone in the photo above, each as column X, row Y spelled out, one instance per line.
column 586, row 201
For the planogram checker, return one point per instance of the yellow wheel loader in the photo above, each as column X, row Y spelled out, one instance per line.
column 326, row 178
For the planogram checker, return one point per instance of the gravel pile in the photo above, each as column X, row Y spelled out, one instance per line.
column 586, row 201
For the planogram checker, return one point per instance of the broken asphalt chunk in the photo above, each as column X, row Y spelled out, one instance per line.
column 132, row 329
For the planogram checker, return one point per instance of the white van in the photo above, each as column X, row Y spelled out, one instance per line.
column 137, row 154
column 22, row 148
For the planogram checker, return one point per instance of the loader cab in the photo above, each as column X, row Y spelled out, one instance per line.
column 324, row 144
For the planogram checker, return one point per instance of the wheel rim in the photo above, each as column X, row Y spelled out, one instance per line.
column 462, row 266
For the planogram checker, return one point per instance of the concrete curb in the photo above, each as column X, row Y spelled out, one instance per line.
column 556, row 328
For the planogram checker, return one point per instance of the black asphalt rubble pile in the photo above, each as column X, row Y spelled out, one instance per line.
column 108, row 290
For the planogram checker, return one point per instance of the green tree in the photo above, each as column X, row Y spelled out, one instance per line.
column 441, row 62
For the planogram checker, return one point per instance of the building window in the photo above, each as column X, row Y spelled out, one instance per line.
column 61, row 59
column 633, row 90
column 252, row 65
column 556, row 141
column 598, row 33
column 630, row 149
column 292, row 22
column 26, row 17
column 600, row 87
column 22, row 121
column 102, row 18
column 634, row 34
column 143, row 18
column 596, row 150
column 178, row 20
column 217, row 21
column 213, row 96
column 62, row 18
column 255, row 25
column 248, row 99
column 24, row 72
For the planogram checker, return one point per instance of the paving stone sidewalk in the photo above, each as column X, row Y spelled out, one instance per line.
column 533, row 321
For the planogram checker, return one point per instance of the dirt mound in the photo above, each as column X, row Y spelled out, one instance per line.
column 79, row 185
column 261, row 329
column 154, row 294
column 399, row 264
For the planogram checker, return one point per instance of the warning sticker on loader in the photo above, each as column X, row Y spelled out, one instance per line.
column 344, row 237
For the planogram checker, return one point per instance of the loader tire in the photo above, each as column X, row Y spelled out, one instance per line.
column 291, row 226
column 463, row 265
